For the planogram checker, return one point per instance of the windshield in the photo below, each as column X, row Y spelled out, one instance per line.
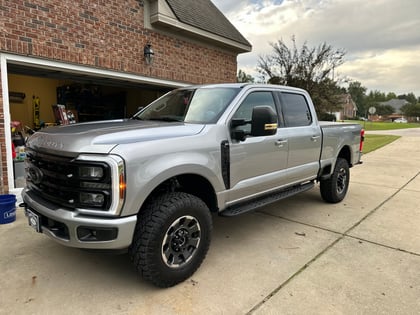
column 202, row 105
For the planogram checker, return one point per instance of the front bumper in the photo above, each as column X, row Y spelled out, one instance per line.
column 70, row 228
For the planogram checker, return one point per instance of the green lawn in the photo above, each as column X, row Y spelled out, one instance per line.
column 380, row 125
column 373, row 142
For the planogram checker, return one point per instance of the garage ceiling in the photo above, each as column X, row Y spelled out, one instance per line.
column 79, row 78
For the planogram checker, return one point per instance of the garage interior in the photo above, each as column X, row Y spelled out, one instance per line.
column 35, row 92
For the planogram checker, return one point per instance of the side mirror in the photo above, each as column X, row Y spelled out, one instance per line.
column 264, row 121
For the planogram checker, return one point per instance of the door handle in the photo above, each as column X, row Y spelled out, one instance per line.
column 315, row 138
column 280, row 143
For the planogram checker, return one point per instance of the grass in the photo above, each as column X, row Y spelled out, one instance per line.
column 381, row 125
column 374, row 142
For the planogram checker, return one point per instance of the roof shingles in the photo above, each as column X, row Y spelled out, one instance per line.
column 203, row 14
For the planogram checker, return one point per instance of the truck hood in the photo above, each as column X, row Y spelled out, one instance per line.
column 103, row 136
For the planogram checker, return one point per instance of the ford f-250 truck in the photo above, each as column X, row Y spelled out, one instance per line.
column 148, row 184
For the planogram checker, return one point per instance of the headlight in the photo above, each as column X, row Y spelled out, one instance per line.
column 101, row 184
column 91, row 172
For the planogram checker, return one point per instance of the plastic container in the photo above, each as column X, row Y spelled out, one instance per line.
column 7, row 208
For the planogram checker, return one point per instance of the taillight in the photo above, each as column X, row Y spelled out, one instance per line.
column 362, row 139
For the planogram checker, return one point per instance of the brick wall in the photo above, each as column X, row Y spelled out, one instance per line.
column 107, row 34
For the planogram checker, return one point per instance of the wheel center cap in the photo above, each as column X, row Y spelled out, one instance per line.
column 180, row 238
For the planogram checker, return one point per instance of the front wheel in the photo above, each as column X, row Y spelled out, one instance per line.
column 171, row 239
column 334, row 189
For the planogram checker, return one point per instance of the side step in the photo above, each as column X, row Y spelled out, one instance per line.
column 265, row 200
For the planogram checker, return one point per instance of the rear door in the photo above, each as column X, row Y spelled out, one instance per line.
column 303, row 134
column 257, row 164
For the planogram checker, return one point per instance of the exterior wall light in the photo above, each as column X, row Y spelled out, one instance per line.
column 148, row 54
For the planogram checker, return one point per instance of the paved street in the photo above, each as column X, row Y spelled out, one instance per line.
column 297, row 256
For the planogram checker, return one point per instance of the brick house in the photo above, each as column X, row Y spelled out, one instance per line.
column 91, row 57
column 348, row 108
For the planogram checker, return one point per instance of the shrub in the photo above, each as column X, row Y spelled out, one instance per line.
column 327, row 117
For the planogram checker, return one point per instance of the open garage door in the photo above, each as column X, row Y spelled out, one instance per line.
column 32, row 88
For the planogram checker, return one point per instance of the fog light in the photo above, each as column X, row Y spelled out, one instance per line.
column 95, row 234
column 92, row 199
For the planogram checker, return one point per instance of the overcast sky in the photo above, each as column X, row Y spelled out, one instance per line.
column 381, row 37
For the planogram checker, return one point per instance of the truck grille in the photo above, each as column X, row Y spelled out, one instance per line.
column 60, row 180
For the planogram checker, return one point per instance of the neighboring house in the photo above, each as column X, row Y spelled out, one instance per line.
column 104, row 59
column 396, row 104
column 348, row 108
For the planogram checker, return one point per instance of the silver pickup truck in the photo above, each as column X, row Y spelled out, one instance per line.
column 149, row 184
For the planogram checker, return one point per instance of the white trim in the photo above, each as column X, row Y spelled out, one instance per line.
column 73, row 68
column 66, row 67
column 179, row 26
column 6, row 115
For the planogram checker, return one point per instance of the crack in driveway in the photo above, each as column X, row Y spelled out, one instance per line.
column 326, row 249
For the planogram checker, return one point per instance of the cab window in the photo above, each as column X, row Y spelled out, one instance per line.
column 295, row 110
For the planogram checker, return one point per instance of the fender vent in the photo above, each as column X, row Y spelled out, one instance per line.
column 225, row 160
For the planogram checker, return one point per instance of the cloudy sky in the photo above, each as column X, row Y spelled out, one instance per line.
column 381, row 37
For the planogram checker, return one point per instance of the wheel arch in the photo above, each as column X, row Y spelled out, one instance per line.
column 345, row 153
column 327, row 168
column 190, row 183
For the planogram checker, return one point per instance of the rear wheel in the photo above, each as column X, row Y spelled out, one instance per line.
column 171, row 239
column 334, row 189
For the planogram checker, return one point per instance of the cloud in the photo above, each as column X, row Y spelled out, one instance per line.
column 381, row 37
column 395, row 70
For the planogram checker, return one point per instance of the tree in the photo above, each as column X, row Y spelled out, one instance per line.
column 243, row 77
column 410, row 97
column 376, row 97
column 358, row 94
column 384, row 110
column 391, row 96
column 411, row 110
column 310, row 68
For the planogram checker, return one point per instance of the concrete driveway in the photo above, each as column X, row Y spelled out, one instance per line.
column 297, row 256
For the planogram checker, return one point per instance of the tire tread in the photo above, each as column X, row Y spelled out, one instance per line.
column 328, row 186
column 151, row 219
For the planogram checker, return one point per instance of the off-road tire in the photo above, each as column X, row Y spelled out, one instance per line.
column 171, row 238
column 334, row 189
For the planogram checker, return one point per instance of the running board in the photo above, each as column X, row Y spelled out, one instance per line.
column 265, row 200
